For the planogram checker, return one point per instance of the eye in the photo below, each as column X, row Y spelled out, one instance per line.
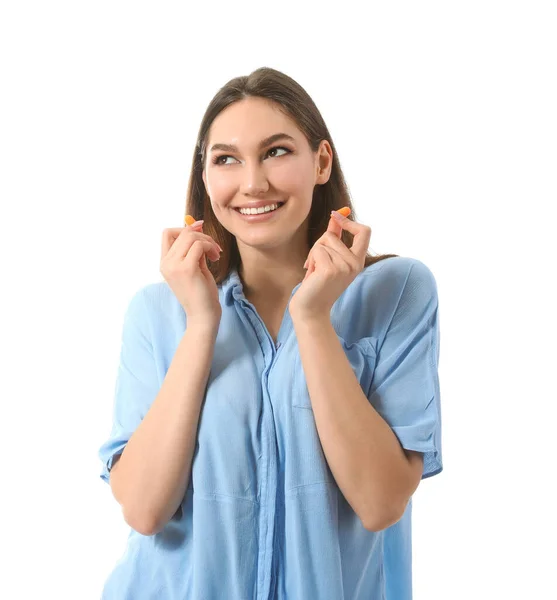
column 279, row 148
column 217, row 159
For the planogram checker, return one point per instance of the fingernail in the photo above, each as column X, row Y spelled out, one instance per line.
column 219, row 247
column 197, row 223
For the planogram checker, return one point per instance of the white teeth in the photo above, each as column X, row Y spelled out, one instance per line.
column 258, row 211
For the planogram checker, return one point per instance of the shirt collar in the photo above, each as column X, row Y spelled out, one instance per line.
column 233, row 289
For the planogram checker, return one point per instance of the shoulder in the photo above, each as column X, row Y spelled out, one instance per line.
column 155, row 295
column 397, row 275
column 155, row 306
column 398, row 285
column 399, row 267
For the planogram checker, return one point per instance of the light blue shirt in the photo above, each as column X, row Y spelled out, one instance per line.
column 262, row 517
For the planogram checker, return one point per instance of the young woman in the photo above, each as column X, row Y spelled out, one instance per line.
column 271, row 423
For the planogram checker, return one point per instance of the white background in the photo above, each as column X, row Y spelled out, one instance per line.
column 444, row 119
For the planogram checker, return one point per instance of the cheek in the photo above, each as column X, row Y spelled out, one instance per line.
column 221, row 193
column 293, row 178
column 219, row 187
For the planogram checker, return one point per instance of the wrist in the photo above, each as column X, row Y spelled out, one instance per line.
column 313, row 319
column 204, row 324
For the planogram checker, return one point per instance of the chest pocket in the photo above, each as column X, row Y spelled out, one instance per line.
column 361, row 355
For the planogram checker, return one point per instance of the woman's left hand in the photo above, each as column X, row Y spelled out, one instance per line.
column 331, row 268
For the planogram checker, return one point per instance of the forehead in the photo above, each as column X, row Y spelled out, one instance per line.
column 247, row 122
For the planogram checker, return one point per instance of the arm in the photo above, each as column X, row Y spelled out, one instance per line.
column 151, row 476
column 375, row 474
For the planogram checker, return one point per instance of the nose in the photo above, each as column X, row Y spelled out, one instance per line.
column 254, row 180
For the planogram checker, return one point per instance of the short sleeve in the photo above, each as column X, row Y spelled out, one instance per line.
column 405, row 384
column 136, row 382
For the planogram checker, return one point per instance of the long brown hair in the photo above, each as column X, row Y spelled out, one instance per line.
column 296, row 103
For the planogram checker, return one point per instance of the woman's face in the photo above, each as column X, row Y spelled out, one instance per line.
column 283, row 170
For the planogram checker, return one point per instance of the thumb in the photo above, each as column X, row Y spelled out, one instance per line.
column 335, row 227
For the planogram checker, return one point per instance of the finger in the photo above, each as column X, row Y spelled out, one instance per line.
column 209, row 248
column 169, row 236
column 361, row 232
column 333, row 227
column 312, row 261
column 175, row 243
column 344, row 262
column 198, row 226
column 321, row 257
column 337, row 246
column 333, row 223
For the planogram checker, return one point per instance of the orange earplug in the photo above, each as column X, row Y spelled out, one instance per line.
column 189, row 220
column 344, row 211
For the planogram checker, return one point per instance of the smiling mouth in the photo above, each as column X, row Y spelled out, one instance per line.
column 279, row 204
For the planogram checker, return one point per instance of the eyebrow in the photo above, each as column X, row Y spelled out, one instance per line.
column 266, row 142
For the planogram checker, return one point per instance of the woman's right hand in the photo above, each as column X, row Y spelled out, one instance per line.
column 184, row 267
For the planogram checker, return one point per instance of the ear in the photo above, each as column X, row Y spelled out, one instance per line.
column 324, row 162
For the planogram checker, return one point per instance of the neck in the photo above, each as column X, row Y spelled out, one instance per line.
column 271, row 284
